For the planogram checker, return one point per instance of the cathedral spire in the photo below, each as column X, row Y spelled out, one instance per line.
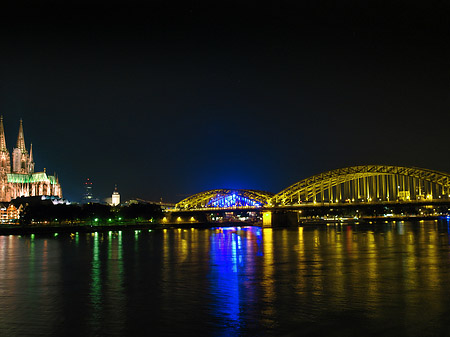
column 2, row 136
column 5, row 162
column 30, row 160
column 21, row 139
column 20, row 154
column 31, row 152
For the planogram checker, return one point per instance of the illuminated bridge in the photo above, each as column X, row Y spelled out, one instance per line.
column 225, row 199
column 370, row 184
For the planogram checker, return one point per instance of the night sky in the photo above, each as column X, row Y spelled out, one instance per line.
column 167, row 100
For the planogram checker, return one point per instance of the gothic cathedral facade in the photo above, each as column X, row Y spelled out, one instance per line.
column 17, row 176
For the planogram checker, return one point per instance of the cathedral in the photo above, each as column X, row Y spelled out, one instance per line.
column 17, row 176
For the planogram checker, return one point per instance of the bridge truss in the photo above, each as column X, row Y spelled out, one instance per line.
column 225, row 198
column 370, row 183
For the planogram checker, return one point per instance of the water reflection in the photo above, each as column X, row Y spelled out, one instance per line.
column 96, row 284
column 385, row 279
column 233, row 254
column 224, row 268
column 267, row 282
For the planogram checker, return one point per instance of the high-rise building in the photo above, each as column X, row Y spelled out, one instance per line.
column 115, row 198
column 21, row 180
column 87, row 196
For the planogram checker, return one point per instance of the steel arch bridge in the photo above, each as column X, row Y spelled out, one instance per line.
column 225, row 198
column 370, row 183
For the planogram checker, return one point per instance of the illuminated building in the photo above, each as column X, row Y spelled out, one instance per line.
column 12, row 213
column 9, row 214
column 115, row 198
column 88, row 195
column 21, row 180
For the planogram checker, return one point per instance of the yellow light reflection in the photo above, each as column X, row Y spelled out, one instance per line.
column 268, row 270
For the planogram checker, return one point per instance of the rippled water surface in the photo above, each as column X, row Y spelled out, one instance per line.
column 388, row 279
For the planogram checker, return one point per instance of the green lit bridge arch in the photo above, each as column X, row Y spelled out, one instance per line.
column 225, row 198
column 370, row 183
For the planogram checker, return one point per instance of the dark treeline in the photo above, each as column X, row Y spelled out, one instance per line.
column 95, row 213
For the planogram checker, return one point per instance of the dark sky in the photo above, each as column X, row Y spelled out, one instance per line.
column 167, row 100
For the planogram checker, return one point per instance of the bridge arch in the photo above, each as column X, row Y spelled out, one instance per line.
column 369, row 183
column 225, row 198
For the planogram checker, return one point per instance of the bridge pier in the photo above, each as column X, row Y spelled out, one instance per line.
column 267, row 219
column 273, row 219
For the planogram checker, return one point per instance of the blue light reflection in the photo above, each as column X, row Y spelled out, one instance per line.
column 232, row 254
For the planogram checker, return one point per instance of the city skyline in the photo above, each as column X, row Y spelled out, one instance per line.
column 168, row 101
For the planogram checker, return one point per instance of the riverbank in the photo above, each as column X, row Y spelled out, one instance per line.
column 367, row 220
column 51, row 229
column 89, row 228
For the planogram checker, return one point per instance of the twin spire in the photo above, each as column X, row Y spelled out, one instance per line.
column 21, row 139
column 2, row 136
column 20, row 144
column 22, row 162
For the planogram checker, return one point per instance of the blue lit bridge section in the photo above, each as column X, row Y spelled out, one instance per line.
column 225, row 199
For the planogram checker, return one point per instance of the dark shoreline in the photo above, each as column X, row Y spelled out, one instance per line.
column 87, row 228
column 33, row 229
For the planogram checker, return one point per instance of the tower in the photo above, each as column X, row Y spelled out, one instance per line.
column 115, row 198
column 5, row 164
column 30, row 160
column 5, row 161
column 20, row 154
column 87, row 196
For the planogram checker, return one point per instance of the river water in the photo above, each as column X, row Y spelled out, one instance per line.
column 384, row 279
